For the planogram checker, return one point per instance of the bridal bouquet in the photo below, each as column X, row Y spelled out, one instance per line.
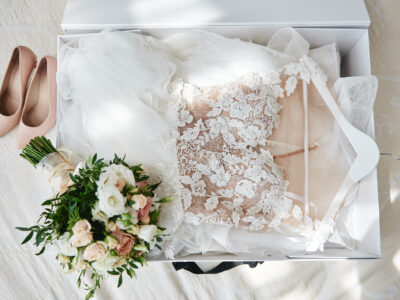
column 103, row 219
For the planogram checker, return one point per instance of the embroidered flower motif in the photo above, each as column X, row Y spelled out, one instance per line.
column 203, row 169
column 184, row 117
column 256, row 223
column 214, row 161
column 250, row 134
column 256, row 173
column 252, row 97
column 223, row 103
column 198, row 188
column 211, row 202
column 192, row 133
column 220, row 177
column 237, row 202
column 240, row 110
column 217, row 126
column 246, row 188
column 268, row 203
column 304, row 69
column 186, row 196
column 272, row 109
column 225, row 193
column 235, row 218
column 290, row 85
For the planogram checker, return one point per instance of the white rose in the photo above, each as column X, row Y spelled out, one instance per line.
column 147, row 232
column 134, row 214
column 81, row 240
column 82, row 226
column 98, row 215
column 95, row 251
column 140, row 201
column 121, row 262
column 111, row 241
column 125, row 173
column 106, row 263
column 111, row 201
column 81, row 264
column 111, row 226
column 133, row 230
column 64, row 246
column 64, row 259
column 127, row 219
column 111, row 174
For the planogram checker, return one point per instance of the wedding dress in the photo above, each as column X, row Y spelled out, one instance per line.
column 242, row 144
column 223, row 123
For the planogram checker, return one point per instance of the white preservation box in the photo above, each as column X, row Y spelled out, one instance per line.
column 320, row 22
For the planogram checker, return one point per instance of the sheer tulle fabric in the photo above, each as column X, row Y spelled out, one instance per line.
column 127, row 93
column 114, row 99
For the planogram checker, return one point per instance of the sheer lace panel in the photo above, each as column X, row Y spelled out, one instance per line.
column 228, row 175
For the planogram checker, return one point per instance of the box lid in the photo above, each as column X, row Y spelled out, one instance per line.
column 103, row 14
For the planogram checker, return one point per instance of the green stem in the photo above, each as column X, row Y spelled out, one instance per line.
column 37, row 149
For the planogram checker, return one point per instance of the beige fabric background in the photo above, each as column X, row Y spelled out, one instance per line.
column 35, row 23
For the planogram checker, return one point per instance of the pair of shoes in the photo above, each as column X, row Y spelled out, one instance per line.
column 33, row 108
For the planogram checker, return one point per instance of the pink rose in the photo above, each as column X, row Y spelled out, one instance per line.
column 125, row 242
column 141, row 184
column 81, row 240
column 140, row 201
column 81, row 227
column 95, row 251
column 143, row 214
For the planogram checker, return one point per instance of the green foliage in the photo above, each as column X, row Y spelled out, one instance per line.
column 154, row 216
column 128, row 268
column 96, row 277
column 63, row 211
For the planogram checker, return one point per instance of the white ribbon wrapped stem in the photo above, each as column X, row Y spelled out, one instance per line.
column 58, row 166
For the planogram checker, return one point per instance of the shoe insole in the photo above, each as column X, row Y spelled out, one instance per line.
column 37, row 100
column 11, row 98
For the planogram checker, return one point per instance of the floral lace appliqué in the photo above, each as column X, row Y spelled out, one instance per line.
column 227, row 174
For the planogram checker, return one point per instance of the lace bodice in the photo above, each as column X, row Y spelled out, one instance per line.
column 227, row 174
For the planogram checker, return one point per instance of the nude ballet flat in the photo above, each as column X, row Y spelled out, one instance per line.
column 13, row 88
column 39, row 112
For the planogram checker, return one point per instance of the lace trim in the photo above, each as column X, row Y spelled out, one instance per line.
column 301, row 70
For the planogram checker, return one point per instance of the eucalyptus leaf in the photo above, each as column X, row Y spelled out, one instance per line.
column 120, row 280
column 28, row 238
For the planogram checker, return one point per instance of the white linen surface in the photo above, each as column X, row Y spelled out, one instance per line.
column 26, row 276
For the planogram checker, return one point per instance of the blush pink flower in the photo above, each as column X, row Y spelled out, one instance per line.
column 125, row 242
column 141, row 184
column 143, row 214
column 120, row 184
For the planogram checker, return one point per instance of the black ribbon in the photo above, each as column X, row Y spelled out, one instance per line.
column 222, row 267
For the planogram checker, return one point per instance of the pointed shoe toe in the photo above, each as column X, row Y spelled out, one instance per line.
column 39, row 112
column 13, row 87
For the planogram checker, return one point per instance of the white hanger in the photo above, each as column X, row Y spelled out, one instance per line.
column 365, row 147
column 366, row 161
